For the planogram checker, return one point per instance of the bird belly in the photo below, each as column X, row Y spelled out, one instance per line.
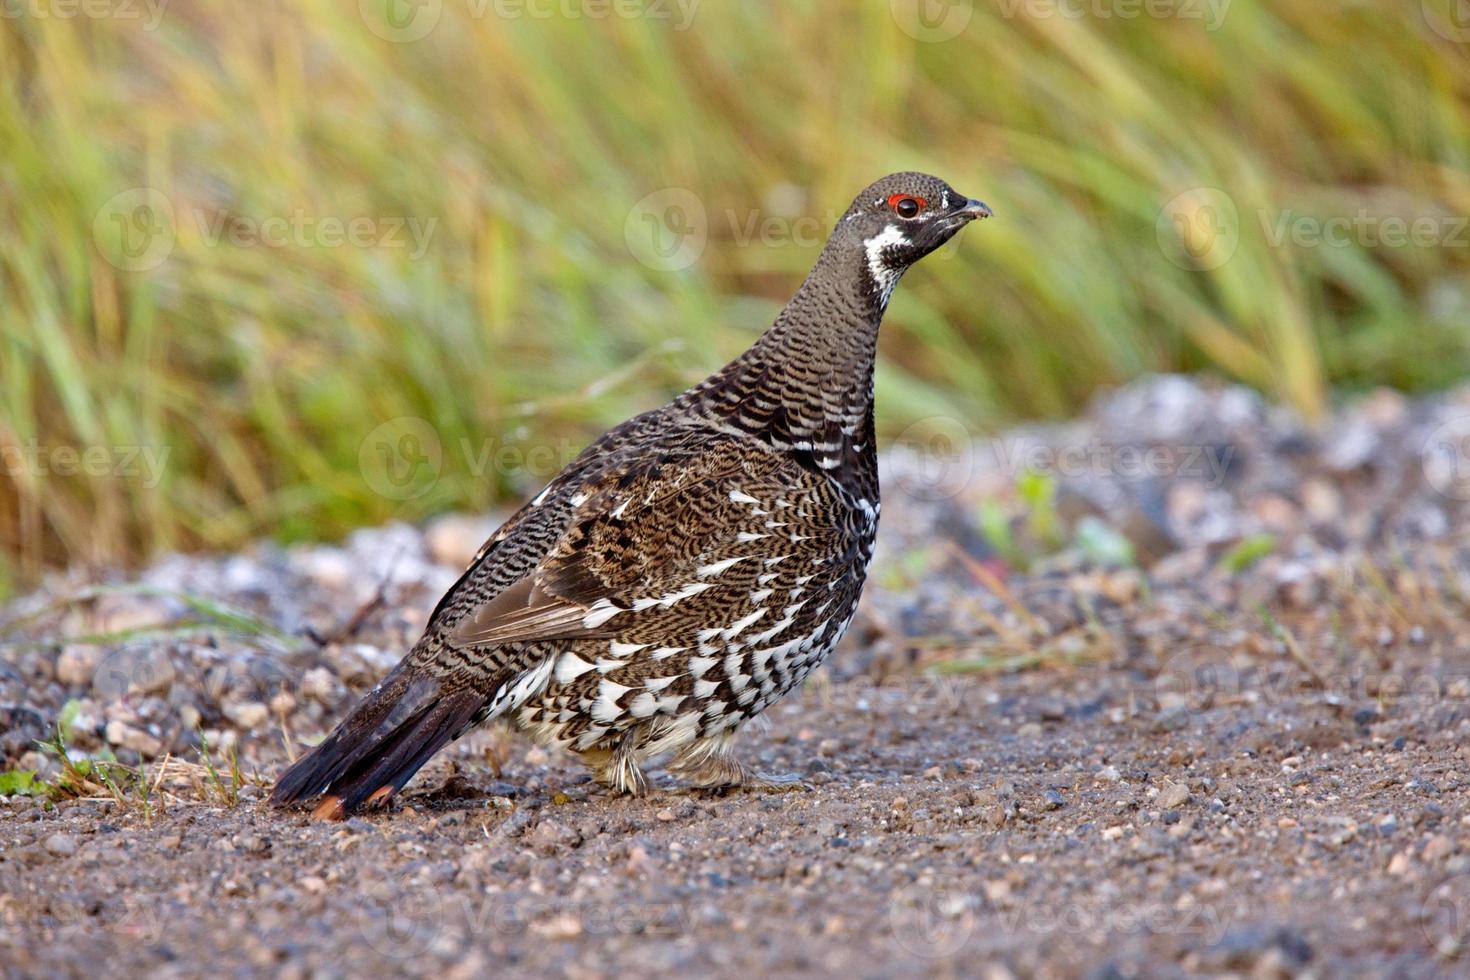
column 595, row 697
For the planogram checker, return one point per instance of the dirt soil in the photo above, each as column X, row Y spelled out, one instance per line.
column 1229, row 756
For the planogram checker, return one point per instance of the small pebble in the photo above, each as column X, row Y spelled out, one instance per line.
column 1173, row 796
column 61, row 845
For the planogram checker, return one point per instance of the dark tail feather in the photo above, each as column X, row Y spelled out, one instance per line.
column 379, row 746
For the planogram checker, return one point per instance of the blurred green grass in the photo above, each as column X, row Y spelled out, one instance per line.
column 528, row 141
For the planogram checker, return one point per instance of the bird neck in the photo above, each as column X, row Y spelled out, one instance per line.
column 807, row 384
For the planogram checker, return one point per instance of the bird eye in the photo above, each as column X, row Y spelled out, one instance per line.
column 906, row 205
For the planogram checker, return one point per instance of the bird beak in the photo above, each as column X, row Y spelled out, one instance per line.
column 973, row 209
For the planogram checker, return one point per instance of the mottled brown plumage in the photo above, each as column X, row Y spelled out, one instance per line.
column 686, row 570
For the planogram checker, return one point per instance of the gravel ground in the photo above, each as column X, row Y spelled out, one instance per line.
column 1193, row 703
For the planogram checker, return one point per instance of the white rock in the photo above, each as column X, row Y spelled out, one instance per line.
column 76, row 665
column 329, row 568
column 61, row 845
column 319, row 684
column 123, row 735
column 247, row 715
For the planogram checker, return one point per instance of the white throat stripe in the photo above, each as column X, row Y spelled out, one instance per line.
column 884, row 275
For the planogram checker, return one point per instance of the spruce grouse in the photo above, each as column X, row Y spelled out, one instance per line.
column 686, row 570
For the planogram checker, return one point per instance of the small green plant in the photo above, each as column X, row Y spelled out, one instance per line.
column 91, row 775
column 996, row 525
column 79, row 775
column 229, row 794
column 1044, row 532
column 141, row 788
column 1038, row 492
column 22, row 782
column 1247, row 552
column 1041, row 523
column 907, row 569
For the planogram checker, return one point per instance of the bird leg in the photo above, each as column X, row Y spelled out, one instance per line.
column 618, row 768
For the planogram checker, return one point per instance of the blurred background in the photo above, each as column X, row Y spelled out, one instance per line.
column 296, row 267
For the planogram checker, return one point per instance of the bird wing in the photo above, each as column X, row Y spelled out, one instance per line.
column 657, row 532
column 524, row 613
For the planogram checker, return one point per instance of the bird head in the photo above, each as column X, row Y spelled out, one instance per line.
column 902, row 218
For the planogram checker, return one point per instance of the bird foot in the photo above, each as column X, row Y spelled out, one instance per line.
column 766, row 783
column 772, row 782
column 763, row 783
column 721, row 771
